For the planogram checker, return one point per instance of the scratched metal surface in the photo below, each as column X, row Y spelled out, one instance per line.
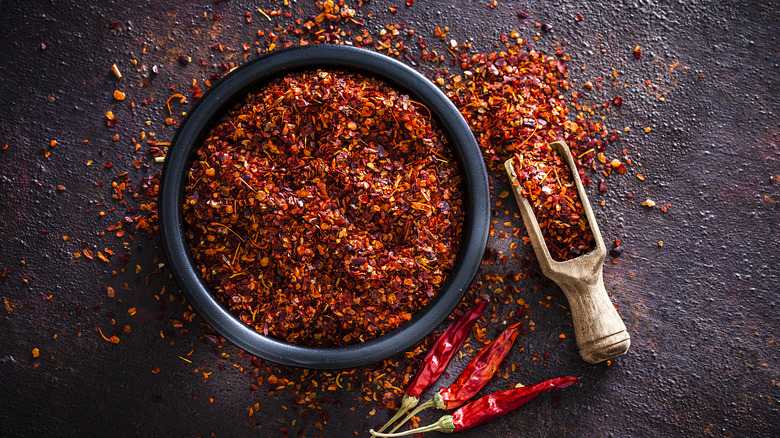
column 702, row 310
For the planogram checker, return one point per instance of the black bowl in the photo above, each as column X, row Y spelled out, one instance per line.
column 233, row 88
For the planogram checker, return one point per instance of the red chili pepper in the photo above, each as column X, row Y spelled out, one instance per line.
column 487, row 408
column 437, row 359
column 480, row 370
column 474, row 377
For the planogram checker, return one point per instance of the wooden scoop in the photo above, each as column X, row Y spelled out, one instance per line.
column 600, row 332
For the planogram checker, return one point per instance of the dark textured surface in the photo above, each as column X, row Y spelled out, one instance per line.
column 702, row 310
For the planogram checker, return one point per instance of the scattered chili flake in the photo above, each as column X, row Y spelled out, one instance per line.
column 264, row 14
column 113, row 339
column 115, row 71
column 118, row 95
column 649, row 203
column 617, row 101
column 181, row 97
column 324, row 210
column 35, row 352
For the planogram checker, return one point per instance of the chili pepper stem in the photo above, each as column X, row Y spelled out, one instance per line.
column 407, row 402
column 435, row 402
column 444, row 424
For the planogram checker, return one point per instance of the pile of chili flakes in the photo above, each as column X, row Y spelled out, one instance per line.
column 546, row 181
column 513, row 101
column 324, row 210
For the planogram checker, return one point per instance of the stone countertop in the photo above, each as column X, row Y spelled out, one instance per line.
column 702, row 308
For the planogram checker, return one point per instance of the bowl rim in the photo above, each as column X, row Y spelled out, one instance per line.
column 233, row 87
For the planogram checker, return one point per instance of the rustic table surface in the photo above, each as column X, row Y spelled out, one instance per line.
column 702, row 308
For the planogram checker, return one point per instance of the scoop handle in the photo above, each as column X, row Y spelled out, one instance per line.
column 601, row 333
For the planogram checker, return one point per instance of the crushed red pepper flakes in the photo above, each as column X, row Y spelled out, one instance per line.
column 546, row 181
column 512, row 101
column 347, row 231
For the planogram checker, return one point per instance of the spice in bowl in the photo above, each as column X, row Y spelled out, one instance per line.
column 325, row 209
column 546, row 181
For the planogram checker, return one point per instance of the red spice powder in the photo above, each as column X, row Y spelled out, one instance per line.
column 325, row 209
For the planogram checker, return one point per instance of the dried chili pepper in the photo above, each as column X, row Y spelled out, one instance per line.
column 547, row 183
column 487, row 408
column 437, row 359
column 474, row 377
column 325, row 209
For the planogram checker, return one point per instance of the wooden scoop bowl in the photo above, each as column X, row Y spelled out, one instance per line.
column 600, row 332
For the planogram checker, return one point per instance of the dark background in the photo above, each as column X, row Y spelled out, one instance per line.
column 702, row 310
